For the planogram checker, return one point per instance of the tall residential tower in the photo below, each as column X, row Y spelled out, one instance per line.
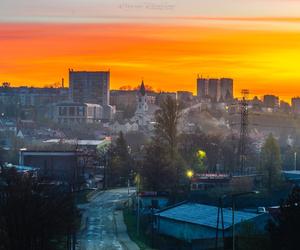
column 89, row 86
column 216, row 89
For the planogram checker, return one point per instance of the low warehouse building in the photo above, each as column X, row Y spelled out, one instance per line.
column 197, row 223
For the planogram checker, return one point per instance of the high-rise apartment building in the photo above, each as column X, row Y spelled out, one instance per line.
column 89, row 86
column 213, row 89
column 216, row 89
column 271, row 101
column 201, row 87
column 285, row 107
column 226, row 89
column 296, row 105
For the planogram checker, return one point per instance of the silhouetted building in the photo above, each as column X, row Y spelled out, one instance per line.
column 161, row 97
column 123, row 98
column 63, row 166
column 202, row 87
column 214, row 89
column 285, row 107
column 226, row 89
column 89, row 86
column 184, row 96
column 29, row 96
column 296, row 105
column 271, row 101
column 256, row 104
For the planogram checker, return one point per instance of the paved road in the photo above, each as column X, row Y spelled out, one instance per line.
column 100, row 231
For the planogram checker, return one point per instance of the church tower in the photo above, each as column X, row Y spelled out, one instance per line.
column 142, row 106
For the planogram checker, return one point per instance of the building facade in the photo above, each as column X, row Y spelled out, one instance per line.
column 226, row 89
column 76, row 113
column 29, row 96
column 296, row 105
column 162, row 96
column 123, row 98
column 201, row 87
column 184, row 96
column 271, row 101
column 215, row 89
column 63, row 166
column 89, row 87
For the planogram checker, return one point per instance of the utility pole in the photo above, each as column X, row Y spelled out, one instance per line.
column 243, row 130
column 220, row 210
column 295, row 160
column 138, row 206
column 233, row 197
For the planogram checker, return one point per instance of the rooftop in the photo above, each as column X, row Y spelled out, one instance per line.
column 204, row 215
column 296, row 172
column 79, row 142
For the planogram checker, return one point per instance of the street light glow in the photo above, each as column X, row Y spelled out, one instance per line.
column 190, row 173
column 201, row 154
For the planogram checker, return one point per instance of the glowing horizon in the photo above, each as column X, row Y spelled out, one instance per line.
column 256, row 43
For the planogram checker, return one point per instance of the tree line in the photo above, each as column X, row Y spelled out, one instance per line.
column 163, row 161
column 34, row 216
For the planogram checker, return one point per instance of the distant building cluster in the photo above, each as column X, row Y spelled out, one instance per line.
column 89, row 100
column 296, row 105
column 89, row 87
column 91, row 90
column 30, row 96
column 217, row 90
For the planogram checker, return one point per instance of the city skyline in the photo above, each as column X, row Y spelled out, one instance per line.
column 257, row 44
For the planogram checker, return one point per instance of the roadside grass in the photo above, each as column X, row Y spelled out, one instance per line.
column 82, row 196
column 142, row 240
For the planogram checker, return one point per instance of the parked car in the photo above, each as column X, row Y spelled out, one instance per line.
column 261, row 210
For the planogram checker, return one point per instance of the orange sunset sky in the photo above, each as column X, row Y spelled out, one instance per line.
column 166, row 46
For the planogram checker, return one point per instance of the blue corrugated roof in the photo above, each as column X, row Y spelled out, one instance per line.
column 20, row 167
column 204, row 215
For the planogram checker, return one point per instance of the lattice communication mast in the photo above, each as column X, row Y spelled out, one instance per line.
column 243, row 130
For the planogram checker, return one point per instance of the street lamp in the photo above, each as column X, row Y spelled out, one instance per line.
column 190, row 174
column 233, row 196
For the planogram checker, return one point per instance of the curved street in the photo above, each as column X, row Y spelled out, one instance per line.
column 103, row 223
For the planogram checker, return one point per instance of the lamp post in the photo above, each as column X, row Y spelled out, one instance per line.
column 190, row 175
column 233, row 196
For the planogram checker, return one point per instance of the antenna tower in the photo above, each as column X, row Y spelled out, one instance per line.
column 243, row 130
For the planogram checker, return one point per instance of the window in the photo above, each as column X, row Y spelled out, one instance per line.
column 72, row 111
column 80, row 111
column 62, row 111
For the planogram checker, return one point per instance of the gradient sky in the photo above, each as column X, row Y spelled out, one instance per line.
column 167, row 43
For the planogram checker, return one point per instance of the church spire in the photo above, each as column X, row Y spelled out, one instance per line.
column 142, row 89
